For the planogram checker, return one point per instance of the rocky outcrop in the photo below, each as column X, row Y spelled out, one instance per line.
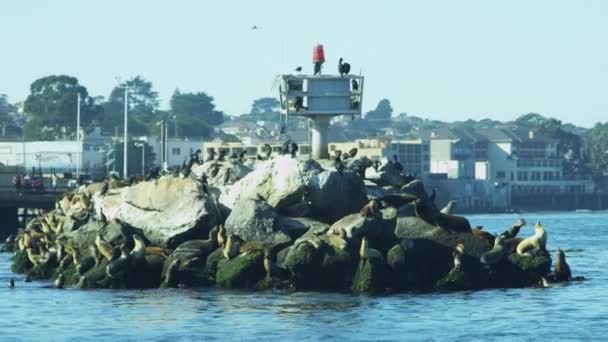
column 281, row 182
column 169, row 210
column 334, row 194
column 255, row 220
column 386, row 173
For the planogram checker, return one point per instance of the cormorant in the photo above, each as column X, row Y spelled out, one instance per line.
column 355, row 85
column 299, row 103
column 353, row 152
column 285, row 148
column 242, row 156
column 222, row 155
column 195, row 157
column 211, row 155
column 343, row 68
column 398, row 165
column 293, row 149
column 216, row 169
column 104, row 187
column 299, row 69
column 227, row 176
column 268, row 150
column 233, row 156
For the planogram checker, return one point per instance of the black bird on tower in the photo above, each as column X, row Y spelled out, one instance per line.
column 343, row 68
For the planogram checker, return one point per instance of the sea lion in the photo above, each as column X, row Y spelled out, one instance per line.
column 396, row 200
column 458, row 253
column 562, row 269
column 139, row 248
column 452, row 222
column 496, row 254
column 514, row 230
column 250, row 247
column 32, row 257
column 365, row 252
column 85, row 264
column 118, row 266
column 221, row 236
column 197, row 248
column 479, row 233
column 339, row 241
column 536, row 241
column 94, row 251
column 449, row 208
column 83, row 283
column 104, row 247
column 272, row 269
column 155, row 250
column 59, row 282
column 171, row 274
column 371, row 209
column 232, row 247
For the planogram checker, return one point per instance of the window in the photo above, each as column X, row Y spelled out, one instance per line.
column 535, row 175
column 500, row 174
column 176, row 151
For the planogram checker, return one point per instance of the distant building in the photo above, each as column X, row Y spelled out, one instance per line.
column 414, row 155
column 251, row 150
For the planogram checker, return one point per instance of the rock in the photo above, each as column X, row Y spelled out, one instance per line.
column 456, row 280
column 335, row 194
column 169, row 210
column 113, row 232
column 369, row 277
column 520, row 270
column 296, row 227
column 379, row 230
column 211, row 264
column 255, row 220
column 244, row 271
column 280, row 181
column 221, row 175
column 386, row 174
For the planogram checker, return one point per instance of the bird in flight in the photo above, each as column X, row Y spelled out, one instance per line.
column 254, row 27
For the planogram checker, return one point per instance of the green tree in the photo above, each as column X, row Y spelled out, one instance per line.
column 142, row 102
column 264, row 109
column 135, row 157
column 52, row 105
column 383, row 112
column 6, row 109
column 195, row 113
column 595, row 146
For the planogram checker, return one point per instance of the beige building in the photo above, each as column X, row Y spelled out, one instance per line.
column 412, row 154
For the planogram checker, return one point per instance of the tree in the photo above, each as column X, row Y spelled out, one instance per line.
column 195, row 111
column 134, row 158
column 52, row 104
column 142, row 102
column 383, row 112
column 6, row 109
column 595, row 142
column 264, row 109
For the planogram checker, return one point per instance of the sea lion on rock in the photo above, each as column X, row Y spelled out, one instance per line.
column 562, row 269
column 232, row 247
column 118, row 266
column 370, row 210
column 197, row 248
column 458, row 253
column 536, row 241
column 449, row 208
column 171, row 274
column 59, row 282
column 365, row 252
column 496, row 254
column 478, row 232
column 104, row 247
column 272, row 269
column 514, row 230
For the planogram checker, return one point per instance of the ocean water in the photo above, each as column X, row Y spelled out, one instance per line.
column 577, row 311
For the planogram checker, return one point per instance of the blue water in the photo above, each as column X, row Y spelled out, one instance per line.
column 579, row 311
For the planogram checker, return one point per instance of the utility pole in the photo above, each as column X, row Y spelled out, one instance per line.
column 78, row 137
column 125, row 168
column 162, row 143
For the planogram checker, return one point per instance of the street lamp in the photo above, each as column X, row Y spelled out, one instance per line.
column 143, row 157
column 125, row 168
column 78, row 136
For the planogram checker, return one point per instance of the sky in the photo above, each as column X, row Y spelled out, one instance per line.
column 445, row 60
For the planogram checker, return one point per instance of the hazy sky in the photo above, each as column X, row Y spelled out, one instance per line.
column 447, row 60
